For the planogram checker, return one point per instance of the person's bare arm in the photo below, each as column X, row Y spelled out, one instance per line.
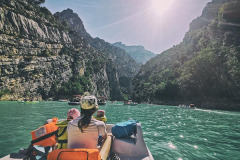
column 102, row 130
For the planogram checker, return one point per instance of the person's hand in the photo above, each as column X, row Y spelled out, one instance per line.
column 55, row 146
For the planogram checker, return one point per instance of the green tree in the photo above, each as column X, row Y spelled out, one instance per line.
column 201, row 76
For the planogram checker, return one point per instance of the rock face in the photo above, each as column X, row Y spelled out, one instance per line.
column 203, row 69
column 125, row 66
column 138, row 53
column 42, row 57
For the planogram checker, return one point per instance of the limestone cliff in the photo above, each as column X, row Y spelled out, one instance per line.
column 41, row 57
column 125, row 66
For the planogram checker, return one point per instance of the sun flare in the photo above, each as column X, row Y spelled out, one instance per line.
column 160, row 6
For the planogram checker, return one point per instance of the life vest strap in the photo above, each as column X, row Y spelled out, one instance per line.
column 64, row 130
column 44, row 137
column 63, row 141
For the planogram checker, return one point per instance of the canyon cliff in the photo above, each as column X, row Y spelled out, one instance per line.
column 46, row 56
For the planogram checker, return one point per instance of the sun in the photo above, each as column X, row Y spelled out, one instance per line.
column 161, row 6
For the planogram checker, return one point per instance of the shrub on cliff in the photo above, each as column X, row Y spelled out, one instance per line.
column 28, row 59
column 66, row 51
column 74, row 86
column 46, row 53
column 4, row 92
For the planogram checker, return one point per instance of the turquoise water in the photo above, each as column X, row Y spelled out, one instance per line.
column 171, row 133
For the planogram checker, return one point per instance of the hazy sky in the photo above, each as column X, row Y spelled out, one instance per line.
column 155, row 24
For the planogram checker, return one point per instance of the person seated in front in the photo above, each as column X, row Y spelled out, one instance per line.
column 62, row 131
column 101, row 116
column 84, row 131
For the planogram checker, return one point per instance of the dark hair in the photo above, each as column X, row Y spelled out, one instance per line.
column 87, row 115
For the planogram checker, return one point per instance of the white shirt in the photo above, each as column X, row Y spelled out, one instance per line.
column 89, row 137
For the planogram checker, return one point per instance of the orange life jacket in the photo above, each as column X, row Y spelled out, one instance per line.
column 44, row 130
column 74, row 154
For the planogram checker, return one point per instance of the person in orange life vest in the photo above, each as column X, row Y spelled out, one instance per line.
column 45, row 135
column 83, row 132
column 61, row 137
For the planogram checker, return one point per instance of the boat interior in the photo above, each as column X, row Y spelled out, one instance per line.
column 130, row 148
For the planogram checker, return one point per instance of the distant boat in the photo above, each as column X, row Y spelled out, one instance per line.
column 21, row 101
column 130, row 103
column 183, row 106
column 63, row 100
column 102, row 100
column 190, row 106
column 75, row 100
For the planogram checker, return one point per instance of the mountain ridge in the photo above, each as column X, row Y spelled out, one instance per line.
column 202, row 69
column 125, row 65
column 137, row 52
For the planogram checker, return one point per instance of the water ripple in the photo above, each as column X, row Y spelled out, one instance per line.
column 171, row 133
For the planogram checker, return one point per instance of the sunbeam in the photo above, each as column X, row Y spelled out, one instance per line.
column 160, row 6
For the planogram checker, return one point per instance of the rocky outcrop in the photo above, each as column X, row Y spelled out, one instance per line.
column 209, row 13
column 33, row 78
column 124, row 65
column 42, row 57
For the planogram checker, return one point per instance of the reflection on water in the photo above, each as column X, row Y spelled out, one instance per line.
column 171, row 133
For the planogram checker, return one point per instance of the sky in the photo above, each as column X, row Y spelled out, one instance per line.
column 155, row 24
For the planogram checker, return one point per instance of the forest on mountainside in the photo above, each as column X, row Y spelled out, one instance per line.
column 203, row 69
